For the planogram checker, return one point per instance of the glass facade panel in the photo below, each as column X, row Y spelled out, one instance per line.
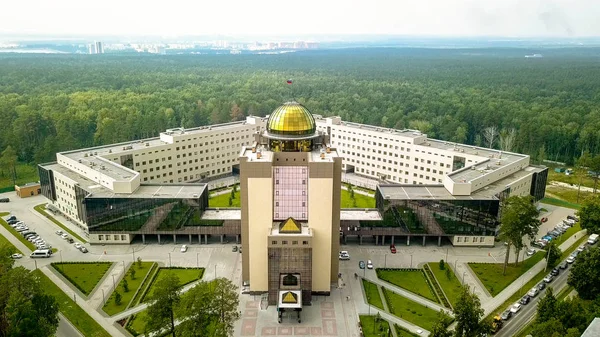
column 290, row 198
column 47, row 183
column 142, row 214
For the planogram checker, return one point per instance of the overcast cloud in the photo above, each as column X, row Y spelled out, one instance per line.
column 519, row 18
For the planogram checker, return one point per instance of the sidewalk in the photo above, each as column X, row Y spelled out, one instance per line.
column 105, row 288
column 466, row 276
column 408, row 294
column 512, row 288
column 106, row 323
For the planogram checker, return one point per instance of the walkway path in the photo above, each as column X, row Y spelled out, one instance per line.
column 105, row 288
column 408, row 294
column 512, row 288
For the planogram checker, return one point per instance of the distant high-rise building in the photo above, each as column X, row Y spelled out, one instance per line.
column 99, row 47
column 96, row 48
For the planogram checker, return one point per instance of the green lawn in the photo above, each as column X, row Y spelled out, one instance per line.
column 111, row 308
column 25, row 174
column 222, row 200
column 536, row 279
column 402, row 332
column 360, row 200
column 412, row 280
column 372, row 294
column 137, row 323
column 448, row 281
column 77, row 316
column 571, row 179
column 371, row 328
column 410, row 311
column 84, row 276
column 185, row 276
column 490, row 274
column 40, row 209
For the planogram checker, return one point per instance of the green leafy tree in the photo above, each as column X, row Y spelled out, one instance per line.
column 546, row 307
column 132, row 274
column 550, row 328
column 118, row 298
column 519, row 219
column 585, row 274
column 8, row 160
column 165, row 299
column 139, row 262
column 589, row 215
column 440, row 328
column 232, row 196
column 125, row 285
column 448, row 273
column 468, row 314
column 230, row 201
column 209, row 309
column 553, row 254
column 442, row 265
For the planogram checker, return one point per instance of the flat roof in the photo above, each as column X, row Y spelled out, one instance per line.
column 366, row 214
column 424, row 192
column 29, row 184
column 85, row 183
column 593, row 330
column 156, row 191
column 222, row 214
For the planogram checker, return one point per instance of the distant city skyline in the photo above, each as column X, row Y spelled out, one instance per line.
column 506, row 18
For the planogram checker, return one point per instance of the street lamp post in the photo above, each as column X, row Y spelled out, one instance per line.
column 169, row 260
column 463, row 277
column 133, row 255
column 215, row 270
column 114, row 284
column 410, row 261
column 103, row 298
column 385, row 261
column 197, row 263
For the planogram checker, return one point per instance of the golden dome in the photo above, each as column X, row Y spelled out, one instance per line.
column 292, row 118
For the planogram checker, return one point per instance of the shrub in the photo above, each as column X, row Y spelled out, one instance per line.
column 117, row 298
column 442, row 265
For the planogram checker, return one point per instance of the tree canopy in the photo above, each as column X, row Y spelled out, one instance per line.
column 161, row 313
column 519, row 219
column 468, row 314
column 52, row 103
column 589, row 215
column 585, row 274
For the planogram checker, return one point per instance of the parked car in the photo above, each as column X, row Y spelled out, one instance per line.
column 548, row 278
column 563, row 265
column 525, row 299
column 544, row 219
column 184, row 248
column 4, row 199
column 572, row 217
column 361, row 264
column 541, row 286
column 83, row 249
column 555, row 271
column 16, row 256
column 506, row 314
column 515, row 308
column 59, row 232
column 533, row 292
column 70, row 240
column 530, row 251
column 571, row 258
column 581, row 248
column 548, row 238
column 234, row 249
column 77, row 245
column 393, row 249
column 10, row 222
column 343, row 255
column 12, row 217
column 64, row 236
column 369, row 264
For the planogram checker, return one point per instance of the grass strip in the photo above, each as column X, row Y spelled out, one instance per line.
column 410, row 311
column 561, row 203
column 75, row 314
column 373, row 326
column 83, row 275
column 491, row 276
column 18, row 235
column 4, row 241
column 144, row 286
column 403, row 332
column 372, row 294
column 185, row 275
column 413, row 280
column 222, row 200
column 110, row 307
column 359, row 201
column 41, row 209
column 446, row 278
column 535, row 280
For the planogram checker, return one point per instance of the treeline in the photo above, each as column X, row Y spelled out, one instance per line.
column 51, row 103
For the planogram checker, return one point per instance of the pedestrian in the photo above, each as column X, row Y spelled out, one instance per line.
column 347, row 298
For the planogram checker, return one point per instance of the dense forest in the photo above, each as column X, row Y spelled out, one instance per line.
column 51, row 103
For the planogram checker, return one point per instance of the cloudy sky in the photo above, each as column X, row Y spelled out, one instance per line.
column 520, row 18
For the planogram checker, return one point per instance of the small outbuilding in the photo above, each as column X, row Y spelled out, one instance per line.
column 28, row 190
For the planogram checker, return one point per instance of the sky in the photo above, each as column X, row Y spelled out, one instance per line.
column 506, row 18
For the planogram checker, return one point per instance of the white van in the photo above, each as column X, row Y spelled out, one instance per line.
column 593, row 239
column 41, row 253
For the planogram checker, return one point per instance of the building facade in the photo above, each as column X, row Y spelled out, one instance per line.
column 416, row 175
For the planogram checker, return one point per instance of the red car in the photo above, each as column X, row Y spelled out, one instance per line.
column 544, row 219
column 393, row 249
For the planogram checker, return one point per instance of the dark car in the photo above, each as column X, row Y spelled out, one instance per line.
column 541, row 286
column 555, row 272
column 525, row 299
column 70, row 240
column 4, row 199
column 83, row 249
column 563, row 265
column 572, row 217
column 361, row 264
column 12, row 217
column 12, row 222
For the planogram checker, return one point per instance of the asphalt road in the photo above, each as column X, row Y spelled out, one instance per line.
column 528, row 311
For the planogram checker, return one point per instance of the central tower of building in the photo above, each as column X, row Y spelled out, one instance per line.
column 290, row 201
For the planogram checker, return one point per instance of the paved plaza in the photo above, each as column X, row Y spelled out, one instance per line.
column 335, row 315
